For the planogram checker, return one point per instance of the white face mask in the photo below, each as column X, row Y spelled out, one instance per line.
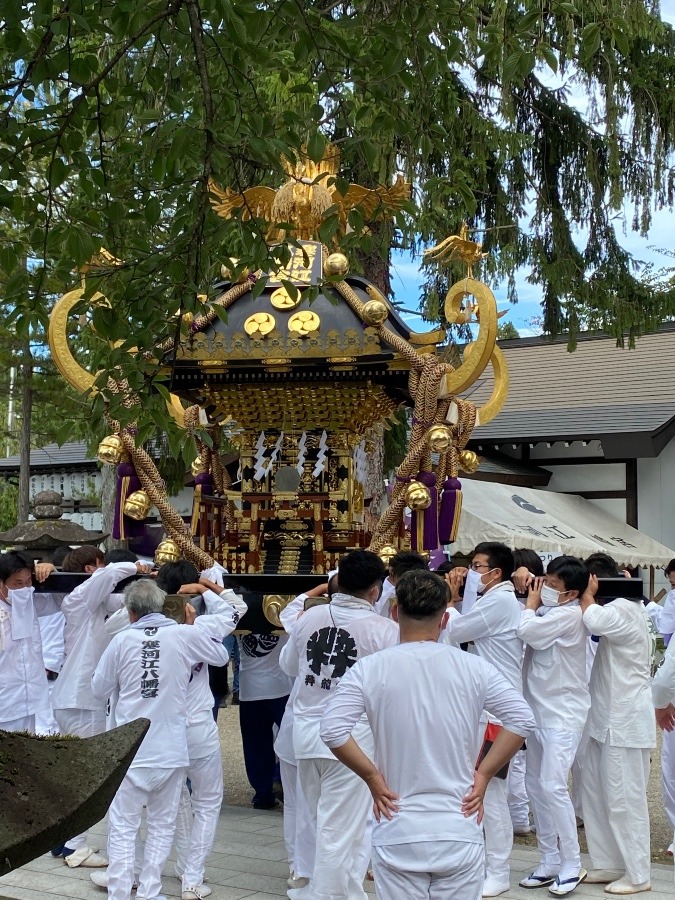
column 470, row 590
column 551, row 597
column 21, row 600
column 481, row 586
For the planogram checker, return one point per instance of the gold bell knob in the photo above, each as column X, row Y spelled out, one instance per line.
column 336, row 264
column 386, row 553
column 468, row 461
column 440, row 439
column 375, row 312
column 137, row 505
column 417, row 496
column 167, row 551
column 199, row 466
column 111, row 450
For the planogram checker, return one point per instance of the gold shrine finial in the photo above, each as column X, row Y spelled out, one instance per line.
column 101, row 260
column 457, row 246
column 303, row 201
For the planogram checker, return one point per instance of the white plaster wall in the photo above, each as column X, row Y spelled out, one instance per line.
column 597, row 477
column 656, row 507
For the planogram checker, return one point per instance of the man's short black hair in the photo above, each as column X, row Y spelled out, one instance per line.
column 602, row 565
column 120, row 554
column 59, row 555
column 446, row 566
column 174, row 575
column 406, row 561
column 13, row 562
column 530, row 559
column 421, row 595
column 499, row 557
column 670, row 567
column 571, row 571
column 360, row 570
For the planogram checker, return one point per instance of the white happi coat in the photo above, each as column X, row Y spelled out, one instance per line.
column 223, row 612
column 554, row 669
column 383, row 606
column 24, row 688
column 663, row 686
column 423, row 701
column 86, row 608
column 150, row 664
column 492, row 625
column 621, row 699
column 324, row 644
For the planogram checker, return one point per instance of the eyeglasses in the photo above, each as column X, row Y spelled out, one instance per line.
column 477, row 566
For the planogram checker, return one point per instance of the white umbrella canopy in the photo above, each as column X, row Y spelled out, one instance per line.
column 550, row 523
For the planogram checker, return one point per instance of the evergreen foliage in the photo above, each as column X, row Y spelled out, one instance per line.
column 114, row 115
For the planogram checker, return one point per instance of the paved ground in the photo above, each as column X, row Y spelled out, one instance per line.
column 249, row 861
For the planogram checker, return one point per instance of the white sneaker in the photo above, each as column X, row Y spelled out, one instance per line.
column 100, row 879
column 198, row 892
column 299, row 893
column 525, row 828
column 87, row 858
column 625, row 886
column 493, row 887
column 294, row 882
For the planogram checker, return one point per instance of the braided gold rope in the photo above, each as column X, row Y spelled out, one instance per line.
column 145, row 466
column 423, row 384
column 221, row 477
column 204, row 319
column 152, row 482
column 427, row 411
column 213, row 461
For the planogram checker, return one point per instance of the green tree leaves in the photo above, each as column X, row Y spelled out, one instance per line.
column 115, row 114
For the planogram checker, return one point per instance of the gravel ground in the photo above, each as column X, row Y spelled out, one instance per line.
column 239, row 793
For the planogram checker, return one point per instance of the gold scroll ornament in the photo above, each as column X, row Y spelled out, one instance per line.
column 75, row 374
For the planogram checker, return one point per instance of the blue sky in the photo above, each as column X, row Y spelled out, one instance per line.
column 405, row 271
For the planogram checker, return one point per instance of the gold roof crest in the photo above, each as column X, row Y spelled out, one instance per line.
column 303, row 201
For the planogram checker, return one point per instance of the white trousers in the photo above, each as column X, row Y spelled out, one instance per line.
column 668, row 775
column 339, row 803
column 159, row 791
column 519, row 803
column 25, row 723
column 550, row 755
column 197, row 818
column 442, row 870
column 577, row 776
column 299, row 835
column 82, row 723
column 616, row 816
column 45, row 721
column 498, row 830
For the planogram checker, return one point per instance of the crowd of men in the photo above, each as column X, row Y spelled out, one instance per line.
column 403, row 757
